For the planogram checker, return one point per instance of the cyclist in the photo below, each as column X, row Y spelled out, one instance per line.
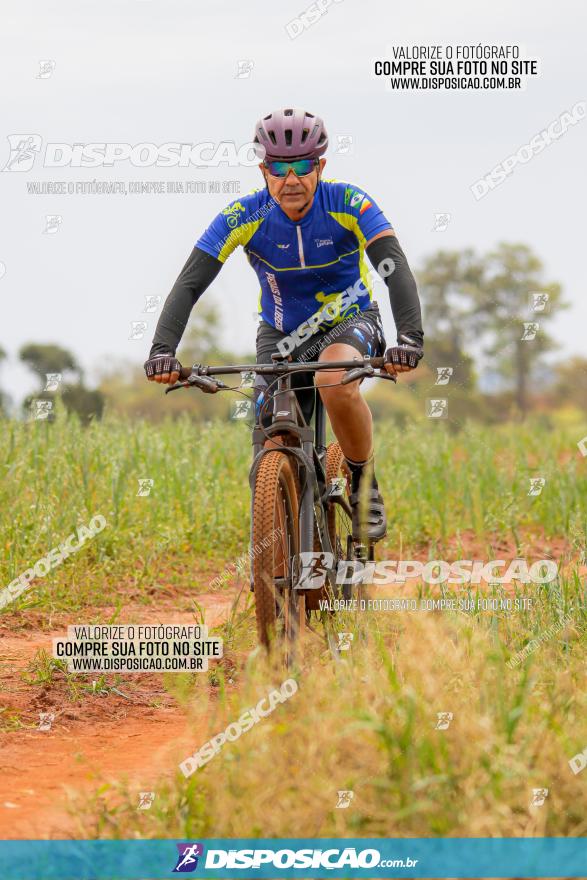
column 306, row 239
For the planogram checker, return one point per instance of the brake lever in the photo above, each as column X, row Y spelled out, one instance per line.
column 357, row 373
column 205, row 383
column 385, row 375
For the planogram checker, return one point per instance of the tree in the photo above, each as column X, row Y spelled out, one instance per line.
column 447, row 283
column 200, row 342
column 571, row 382
column 43, row 359
column 127, row 391
column 513, row 305
column 87, row 403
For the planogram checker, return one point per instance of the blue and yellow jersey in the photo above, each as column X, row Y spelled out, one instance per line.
column 301, row 266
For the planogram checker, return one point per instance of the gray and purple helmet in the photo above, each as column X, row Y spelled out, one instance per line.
column 291, row 134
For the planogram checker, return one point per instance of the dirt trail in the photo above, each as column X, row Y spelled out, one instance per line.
column 98, row 739
column 91, row 742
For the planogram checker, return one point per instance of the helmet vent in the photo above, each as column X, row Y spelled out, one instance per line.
column 267, row 117
column 305, row 133
column 287, row 133
column 288, row 112
column 273, row 139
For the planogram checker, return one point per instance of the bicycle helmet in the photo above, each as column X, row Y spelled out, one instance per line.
column 291, row 134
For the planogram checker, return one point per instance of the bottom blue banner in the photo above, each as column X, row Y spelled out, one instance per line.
column 302, row 858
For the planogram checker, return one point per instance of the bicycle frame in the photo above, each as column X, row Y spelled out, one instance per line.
column 311, row 453
column 288, row 419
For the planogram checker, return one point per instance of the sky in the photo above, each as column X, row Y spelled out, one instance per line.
column 160, row 71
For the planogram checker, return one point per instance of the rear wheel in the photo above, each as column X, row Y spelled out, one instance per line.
column 279, row 609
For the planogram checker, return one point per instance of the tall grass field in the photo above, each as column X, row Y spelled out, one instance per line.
column 364, row 720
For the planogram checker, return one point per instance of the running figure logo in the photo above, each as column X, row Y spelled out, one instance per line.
column 53, row 381
column 444, row 374
column 188, row 857
column 42, row 409
column 52, row 223
column 146, row 799
column 344, row 799
column 530, row 330
column 444, row 719
column 152, row 303
column 437, row 408
column 539, row 302
column 441, row 222
column 23, row 151
column 145, row 486
column 314, row 568
column 344, row 641
column 46, row 68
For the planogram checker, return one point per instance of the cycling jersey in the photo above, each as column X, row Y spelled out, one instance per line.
column 302, row 266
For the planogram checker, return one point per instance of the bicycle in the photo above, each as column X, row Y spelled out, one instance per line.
column 300, row 489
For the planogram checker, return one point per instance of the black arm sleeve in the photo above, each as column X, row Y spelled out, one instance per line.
column 403, row 293
column 198, row 273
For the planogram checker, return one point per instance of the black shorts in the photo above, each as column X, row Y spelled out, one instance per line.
column 363, row 331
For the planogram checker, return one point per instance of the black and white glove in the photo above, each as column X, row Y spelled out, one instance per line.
column 162, row 367
column 406, row 355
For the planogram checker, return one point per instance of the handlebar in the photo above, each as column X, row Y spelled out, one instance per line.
column 199, row 375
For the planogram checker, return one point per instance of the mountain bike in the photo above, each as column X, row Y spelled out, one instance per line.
column 301, row 519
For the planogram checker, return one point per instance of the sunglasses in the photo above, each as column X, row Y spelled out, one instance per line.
column 300, row 167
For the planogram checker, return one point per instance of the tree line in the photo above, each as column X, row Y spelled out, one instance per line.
column 487, row 318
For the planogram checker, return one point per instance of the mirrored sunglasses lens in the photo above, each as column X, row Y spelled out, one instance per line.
column 281, row 169
column 303, row 167
column 278, row 169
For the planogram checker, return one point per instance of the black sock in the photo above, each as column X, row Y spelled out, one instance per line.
column 356, row 469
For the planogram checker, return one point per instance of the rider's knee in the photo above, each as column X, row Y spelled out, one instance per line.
column 329, row 386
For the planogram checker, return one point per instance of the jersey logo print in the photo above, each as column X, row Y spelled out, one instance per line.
column 232, row 213
column 352, row 197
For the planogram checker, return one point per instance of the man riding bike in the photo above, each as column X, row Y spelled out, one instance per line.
column 306, row 239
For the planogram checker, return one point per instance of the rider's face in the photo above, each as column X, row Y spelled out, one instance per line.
column 293, row 193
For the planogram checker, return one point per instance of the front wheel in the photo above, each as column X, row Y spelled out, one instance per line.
column 340, row 525
column 279, row 609
column 340, row 528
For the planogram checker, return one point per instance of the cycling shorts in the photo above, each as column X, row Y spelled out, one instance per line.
column 364, row 331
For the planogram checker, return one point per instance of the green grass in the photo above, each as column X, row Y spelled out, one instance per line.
column 437, row 485
column 367, row 721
